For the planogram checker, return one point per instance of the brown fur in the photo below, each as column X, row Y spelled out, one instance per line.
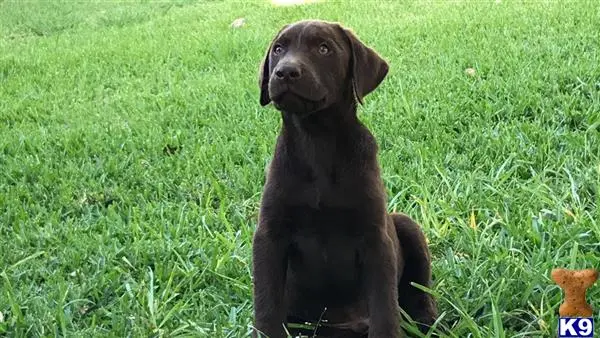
column 325, row 249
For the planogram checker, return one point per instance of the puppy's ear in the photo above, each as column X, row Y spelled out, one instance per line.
column 263, row 78
column 265, row 74
column 367, row 68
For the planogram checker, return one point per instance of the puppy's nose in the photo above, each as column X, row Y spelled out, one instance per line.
column 288, row 72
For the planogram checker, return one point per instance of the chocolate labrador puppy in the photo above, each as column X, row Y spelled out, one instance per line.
column 326, row 251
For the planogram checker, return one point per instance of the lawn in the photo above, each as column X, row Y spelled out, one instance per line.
column 133, row 149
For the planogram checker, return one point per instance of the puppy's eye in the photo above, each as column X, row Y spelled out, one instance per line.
column 323, row 49
column 277, row 49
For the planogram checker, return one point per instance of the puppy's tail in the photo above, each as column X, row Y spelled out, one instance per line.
column 419, row 305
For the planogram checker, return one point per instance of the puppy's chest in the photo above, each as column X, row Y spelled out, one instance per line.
column 333, row 187
column 326, row 238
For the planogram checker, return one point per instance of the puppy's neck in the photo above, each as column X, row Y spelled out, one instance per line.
column 317, row 144
column 329, row 122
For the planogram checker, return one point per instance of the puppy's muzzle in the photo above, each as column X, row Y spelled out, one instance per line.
column 288, row 73
column 294, row 88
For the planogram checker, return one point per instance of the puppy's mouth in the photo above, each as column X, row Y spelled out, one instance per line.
column 289, row 100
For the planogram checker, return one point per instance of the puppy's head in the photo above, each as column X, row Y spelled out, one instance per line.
column 312, row 64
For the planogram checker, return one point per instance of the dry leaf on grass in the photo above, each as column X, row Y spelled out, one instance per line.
column 472, row 221
column 237, row 23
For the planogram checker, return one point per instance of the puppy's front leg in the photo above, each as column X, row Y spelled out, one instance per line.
column 382, row 284
column 269, row 270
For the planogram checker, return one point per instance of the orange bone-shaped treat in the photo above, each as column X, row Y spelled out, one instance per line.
column 574, row 283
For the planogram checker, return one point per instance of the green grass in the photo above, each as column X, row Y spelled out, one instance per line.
column 103, row 233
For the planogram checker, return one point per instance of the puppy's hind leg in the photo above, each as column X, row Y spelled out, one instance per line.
column 419, row 305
